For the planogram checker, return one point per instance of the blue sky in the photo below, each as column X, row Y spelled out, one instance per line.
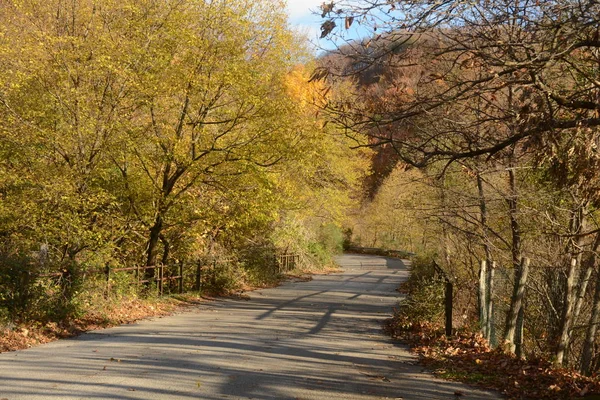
column 302, row 18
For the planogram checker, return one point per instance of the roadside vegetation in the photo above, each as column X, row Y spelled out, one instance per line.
column 141, row 134
column 485, row 117
column 201, row 139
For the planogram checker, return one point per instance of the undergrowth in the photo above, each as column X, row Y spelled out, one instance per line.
column 467, row 356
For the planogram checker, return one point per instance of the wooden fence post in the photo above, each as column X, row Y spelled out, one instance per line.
column 448, row 295
column 213, row 277
column 137, row 276
column 198, row 285
column 180, row 277
column 448, row 306
column 24, row 290
column 160, row 279
column 107, row 276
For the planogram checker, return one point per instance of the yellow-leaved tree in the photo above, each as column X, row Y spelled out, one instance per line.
column 139, row 110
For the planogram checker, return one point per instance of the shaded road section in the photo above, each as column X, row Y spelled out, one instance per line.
column 303, row 340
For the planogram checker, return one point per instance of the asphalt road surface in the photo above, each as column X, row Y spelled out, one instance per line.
column 318, row 340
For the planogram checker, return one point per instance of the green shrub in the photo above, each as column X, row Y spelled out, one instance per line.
column 332, row 238
column 20, row 291
column 330, row 241
column 422, row 268
column 260, row 264
column 424, row 302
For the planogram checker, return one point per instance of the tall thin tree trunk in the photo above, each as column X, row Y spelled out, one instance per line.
column 519, row 330
column 486, row 273
column 567, row 316
column 483, row 296
column 570, row 298
column 516, row 304
column 590, row 335
column 515, row 228
column 166, row 250
column 590, row 265
column 152, row 249
column 490, row 305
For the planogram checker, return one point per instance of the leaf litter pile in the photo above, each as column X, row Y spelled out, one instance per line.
column 28, row 334
column 467, row 357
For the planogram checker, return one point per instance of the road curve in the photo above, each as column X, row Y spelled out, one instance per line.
column 304, row 340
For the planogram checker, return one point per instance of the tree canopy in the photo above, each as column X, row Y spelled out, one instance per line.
column 144, row 131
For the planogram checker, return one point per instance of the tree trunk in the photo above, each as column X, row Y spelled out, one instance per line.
column 166, row 250
column 590, row 336
column 570, row 299
column 590, row 265
column 490, row 305
column 152, row 250
column 567, row 316
column 445, row 237
column 516, row 304
column 515, row 228
column 520, row 267
column 483, row 296
column 519, row 330
column 486, row 277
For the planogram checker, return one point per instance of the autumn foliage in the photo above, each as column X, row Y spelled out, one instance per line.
column 145, row 133
column 467, row 357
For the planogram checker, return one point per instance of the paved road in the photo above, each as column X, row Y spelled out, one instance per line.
column 304, row 340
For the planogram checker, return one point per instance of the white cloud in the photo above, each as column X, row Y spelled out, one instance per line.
column 301, row 9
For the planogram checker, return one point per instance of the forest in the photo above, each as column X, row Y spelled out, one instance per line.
column 140, row 134
column 484, row 117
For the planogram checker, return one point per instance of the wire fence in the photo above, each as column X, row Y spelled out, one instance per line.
column 179, row 277
column 541, row 307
